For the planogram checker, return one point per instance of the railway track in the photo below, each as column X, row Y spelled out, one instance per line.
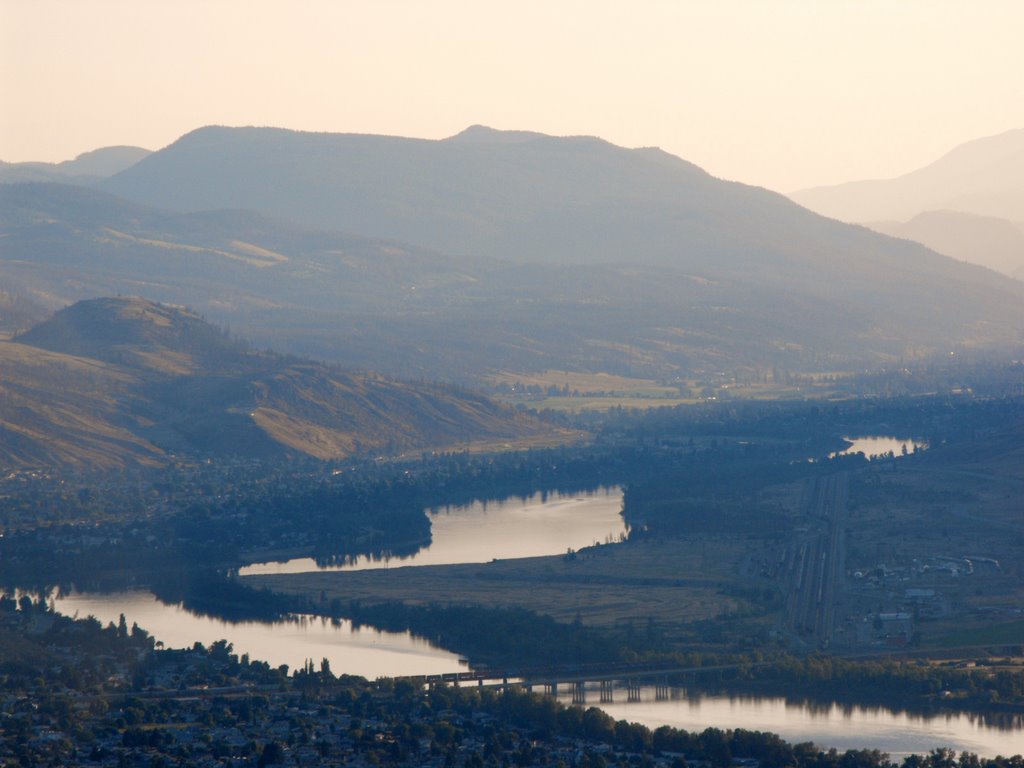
column 818, row 567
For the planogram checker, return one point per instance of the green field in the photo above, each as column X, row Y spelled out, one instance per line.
column 1005, row 633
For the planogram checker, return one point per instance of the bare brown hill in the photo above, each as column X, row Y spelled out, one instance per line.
column 59, row 410
column 117, row 382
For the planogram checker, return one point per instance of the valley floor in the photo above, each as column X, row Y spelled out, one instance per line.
column 913, row 555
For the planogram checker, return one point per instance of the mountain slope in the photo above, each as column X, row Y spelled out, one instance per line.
column 117, row 382
column 58, row 410
column 527, row 198
column 562, row 202
column 63, row 243
column 994, row 243
column 88, row 167
column 18, row 312
column 983, row 177
column 855, row 298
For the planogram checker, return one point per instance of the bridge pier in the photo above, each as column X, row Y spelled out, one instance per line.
column 661, row 690
column 632, row 690
column 579, row 693
column 607, row 689
column 551, row 689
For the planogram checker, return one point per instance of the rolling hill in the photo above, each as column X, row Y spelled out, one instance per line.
column 496, row 251
column 117, row 382
column 88, row 167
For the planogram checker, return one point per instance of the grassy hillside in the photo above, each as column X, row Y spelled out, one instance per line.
column 61, row 410
column 118, row 382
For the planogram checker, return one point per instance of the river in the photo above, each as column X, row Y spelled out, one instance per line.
column 543, row 524
column 371, row 653
column 880, row 446
column 359, row 651
column 519, row 528
column 841, row 727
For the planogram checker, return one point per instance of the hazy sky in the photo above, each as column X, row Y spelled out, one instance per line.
column 781, row 93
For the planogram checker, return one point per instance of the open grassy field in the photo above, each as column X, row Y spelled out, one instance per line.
column 949, row 506
column 978, row 634
column 579, row 392
column 586, row 383
column 600, row 404
column 553, row 438
column 674, row 582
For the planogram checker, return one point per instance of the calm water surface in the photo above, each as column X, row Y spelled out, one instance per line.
column 544, row 524
column 480, row 532
column 835, row 726
column 541, row 525
column 364, row 651
column 877, row 446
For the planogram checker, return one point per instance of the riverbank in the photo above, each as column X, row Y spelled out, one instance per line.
column 135, row 703
column 674, row 583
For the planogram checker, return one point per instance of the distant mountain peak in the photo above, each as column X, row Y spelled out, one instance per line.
column 482, row 134
column 982, row 177
column 988, row 149
column 105, row 161
column 88, row 166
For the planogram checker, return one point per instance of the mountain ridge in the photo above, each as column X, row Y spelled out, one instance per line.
column 459, row 197
column 575, row 200
column 984, row 177
column 570, row 254
column 88, row 167
column 986, row 240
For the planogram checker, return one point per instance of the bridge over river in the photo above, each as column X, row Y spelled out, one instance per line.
column 576, row 677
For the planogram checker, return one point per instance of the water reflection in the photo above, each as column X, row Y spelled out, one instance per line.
column 371, row 653
column 543, row 524
column 880, row 446
column 354, row 650
column 828, row 725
